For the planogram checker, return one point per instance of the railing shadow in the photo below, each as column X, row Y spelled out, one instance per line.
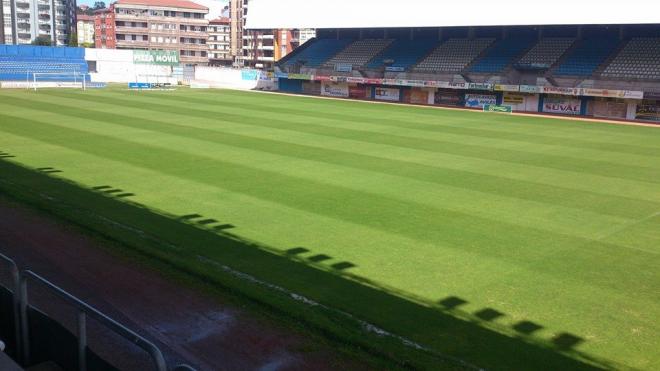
column 383, row 321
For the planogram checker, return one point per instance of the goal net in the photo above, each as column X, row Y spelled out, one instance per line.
column 63, row 79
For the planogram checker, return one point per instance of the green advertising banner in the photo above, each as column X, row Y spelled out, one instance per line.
column 159, row 57
column 496, row 108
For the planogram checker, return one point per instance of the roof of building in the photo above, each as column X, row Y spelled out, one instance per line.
column 84, row 17
column 221, row 20
column 164, row 3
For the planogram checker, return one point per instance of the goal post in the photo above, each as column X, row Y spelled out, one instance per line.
column 63, row 79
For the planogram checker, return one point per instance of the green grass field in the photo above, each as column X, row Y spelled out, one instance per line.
column 508, row 242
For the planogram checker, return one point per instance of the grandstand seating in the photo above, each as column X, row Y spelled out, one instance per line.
column 360, row 52
column 640, row 58
column 501, row 55
column 453, row 55
column 547, row 52
column 404, row 53
column 17, row 63
column 585, row 59
column 319, row 52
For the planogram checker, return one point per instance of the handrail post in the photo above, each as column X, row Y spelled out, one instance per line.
column 25, row 335
column 17, row 308
column 82, row 341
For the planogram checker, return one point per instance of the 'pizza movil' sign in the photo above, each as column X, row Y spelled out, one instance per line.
column 160, row 57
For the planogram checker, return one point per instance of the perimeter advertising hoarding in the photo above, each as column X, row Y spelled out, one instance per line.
column 496, row 108
column 568, row 106
column 158, row 57
column 502, row 87
column 330, row 89
column 648, row 112
column 388, row 94
column 419, row 96
column 607, row 109
column 479, row 100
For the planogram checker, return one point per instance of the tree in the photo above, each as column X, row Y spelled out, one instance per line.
column 42, row 40
column 73, row 39
column 99, row 5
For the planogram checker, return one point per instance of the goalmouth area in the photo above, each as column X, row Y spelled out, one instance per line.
column 436, row 238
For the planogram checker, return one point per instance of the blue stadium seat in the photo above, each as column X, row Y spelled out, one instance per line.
column 319, row 52
column 19, row 62
column 585, row 59
column 404, row 53
column 501, row 55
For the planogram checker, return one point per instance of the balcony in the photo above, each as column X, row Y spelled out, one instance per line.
column 197, row 34
column 132, row 30
column 187, row 46
column 132, row 43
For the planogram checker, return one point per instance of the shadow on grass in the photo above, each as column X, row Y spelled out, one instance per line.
column 342, row 306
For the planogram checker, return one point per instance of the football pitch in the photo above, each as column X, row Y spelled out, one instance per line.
column 504, row 241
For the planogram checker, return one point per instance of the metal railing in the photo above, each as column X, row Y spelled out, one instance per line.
column 84, row 310
column 13, row 270
column 21, row 305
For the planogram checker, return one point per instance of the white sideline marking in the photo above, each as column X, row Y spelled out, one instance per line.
column 630, row 225
column 300, row 298
column 366, row 325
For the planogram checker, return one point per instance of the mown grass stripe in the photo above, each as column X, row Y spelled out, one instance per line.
column 595, row 167
column 476, row 181
column 413, row 220
column 551, row 127
column 432, row 125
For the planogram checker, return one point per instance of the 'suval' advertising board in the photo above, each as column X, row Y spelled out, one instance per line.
column 563, row 105
column 479, row 100
column 334, row 90
column 389, row 94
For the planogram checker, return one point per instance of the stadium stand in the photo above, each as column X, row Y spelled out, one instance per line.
column 587, row 57
column 403, row 53
column 17, row 63
column 453, row 55
column 547, row 52
column 501, row 55
column 360, row 52
column 640, row 58
column 319, row 52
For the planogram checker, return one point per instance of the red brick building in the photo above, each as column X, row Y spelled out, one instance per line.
column 104, row 28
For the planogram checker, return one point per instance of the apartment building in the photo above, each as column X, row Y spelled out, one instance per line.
column 236, row 9
column 163, row 25
column 262, row 48
column 104, row 28
column 85, row 29
column 220, row 42
column 22, row 21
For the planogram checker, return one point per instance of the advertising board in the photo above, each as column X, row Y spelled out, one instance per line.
column 330, row 89
column 563, row 105
column 388, row 94
column 479, row 100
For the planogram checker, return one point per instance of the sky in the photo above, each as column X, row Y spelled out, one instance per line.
column 434, row 13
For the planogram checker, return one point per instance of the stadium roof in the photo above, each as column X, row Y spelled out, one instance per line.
column 445, row 13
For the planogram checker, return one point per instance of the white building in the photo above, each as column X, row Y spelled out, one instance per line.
column 85, row 29
column 22, row 21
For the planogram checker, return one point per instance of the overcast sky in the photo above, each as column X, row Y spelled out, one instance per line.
column 433, row 13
